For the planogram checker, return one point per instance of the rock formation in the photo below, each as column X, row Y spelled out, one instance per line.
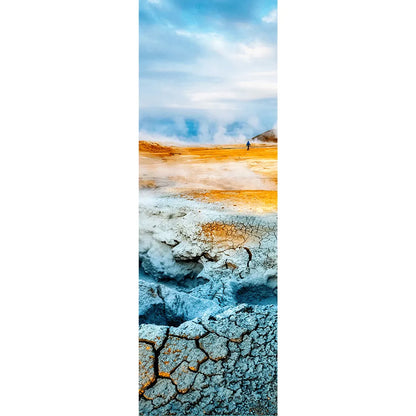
column 269, row 136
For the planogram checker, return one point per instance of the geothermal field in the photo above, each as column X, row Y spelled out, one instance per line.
column 208, row 279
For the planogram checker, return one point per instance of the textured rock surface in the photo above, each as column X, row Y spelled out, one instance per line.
column 208, row 310
column 225, row 369
column 146, row 366
column 195, row 249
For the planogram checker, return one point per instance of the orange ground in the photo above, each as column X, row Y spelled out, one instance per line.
column 219, row 153
column 227, row 174
column 252, row 200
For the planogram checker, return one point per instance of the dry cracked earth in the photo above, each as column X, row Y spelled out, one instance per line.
column 207, row 331
column 208, row 308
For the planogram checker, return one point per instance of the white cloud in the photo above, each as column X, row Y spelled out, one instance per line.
column 243, row 71
column 230, row 81
column 235, row 51
column 271, row 17
column 209, row 131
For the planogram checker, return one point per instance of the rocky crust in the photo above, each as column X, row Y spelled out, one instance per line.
column 208, row 310
column 214, row 365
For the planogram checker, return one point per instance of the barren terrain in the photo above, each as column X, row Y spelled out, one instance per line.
column 240, row 179
column 208, row 280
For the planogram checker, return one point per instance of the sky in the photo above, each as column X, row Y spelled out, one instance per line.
column 207, row 69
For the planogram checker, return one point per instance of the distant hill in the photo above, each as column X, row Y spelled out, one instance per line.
column 268, row 136
column 153, row 147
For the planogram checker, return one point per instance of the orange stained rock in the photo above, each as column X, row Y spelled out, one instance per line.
column 147, row 384
column 146, row 367
column 224, row 234
column 230, row 265
column 186, row 389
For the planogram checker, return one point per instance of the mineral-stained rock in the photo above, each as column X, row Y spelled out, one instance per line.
column 177, row 350
column 183, row 377
column 195, row 357
column 240, row 383
column 146, row 366
column 161, row 392
column 153, row 334
column 208, row 310
column 172, row 355
column 181, row 239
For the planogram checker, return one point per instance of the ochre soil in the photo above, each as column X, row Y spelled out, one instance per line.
column 217, row 152
column 224, row 174
column 256, row 200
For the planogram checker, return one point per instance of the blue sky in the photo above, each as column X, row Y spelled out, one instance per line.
column 207, row 69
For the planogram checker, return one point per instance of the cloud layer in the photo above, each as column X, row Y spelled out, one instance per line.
column 207, row 69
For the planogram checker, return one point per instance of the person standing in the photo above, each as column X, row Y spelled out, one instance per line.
column 248, row 144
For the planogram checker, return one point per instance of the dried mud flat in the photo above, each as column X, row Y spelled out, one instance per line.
column 208, row 280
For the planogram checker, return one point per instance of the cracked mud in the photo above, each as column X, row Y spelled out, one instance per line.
column 208, row 284
column 212, row 365
column 208, row 311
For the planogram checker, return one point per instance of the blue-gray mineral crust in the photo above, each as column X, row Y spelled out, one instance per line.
column 208, row 311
